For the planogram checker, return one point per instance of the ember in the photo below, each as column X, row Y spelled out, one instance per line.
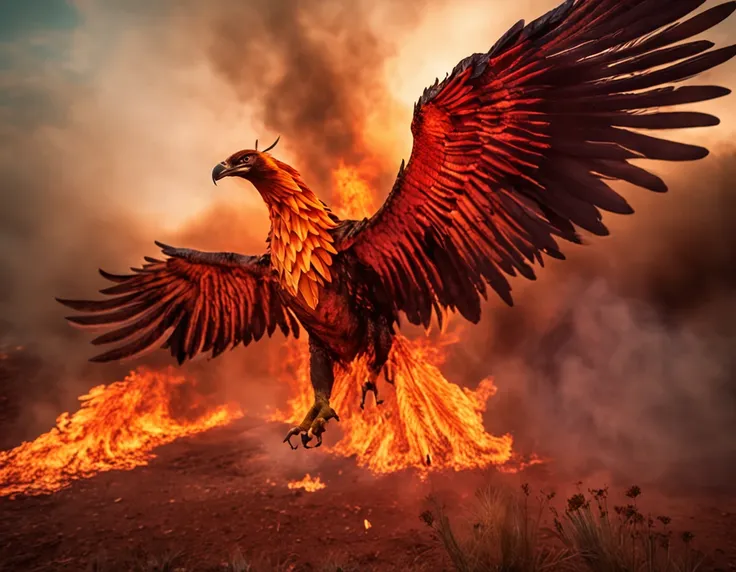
column 117, row 427
column 309, row 484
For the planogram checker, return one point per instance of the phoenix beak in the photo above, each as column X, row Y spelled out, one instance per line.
column 219, row 172
column 222, row 170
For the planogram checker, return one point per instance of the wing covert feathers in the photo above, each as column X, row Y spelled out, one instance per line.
column 192, row 302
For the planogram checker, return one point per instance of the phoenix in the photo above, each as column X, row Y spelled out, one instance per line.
column 514, row 153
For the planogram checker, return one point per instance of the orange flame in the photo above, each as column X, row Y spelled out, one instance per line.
column 425, row 422
column 308, row 483
column 116, row 427
column 353, row 197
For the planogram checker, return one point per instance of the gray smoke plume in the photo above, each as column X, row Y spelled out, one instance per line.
column 622, row 358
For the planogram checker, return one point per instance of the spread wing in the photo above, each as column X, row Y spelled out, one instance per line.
column 191, row 302
column 517, row 147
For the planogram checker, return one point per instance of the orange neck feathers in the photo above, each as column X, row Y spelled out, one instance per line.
column 301, row 244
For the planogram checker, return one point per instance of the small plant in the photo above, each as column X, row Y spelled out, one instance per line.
column 338, row 563
column 237, row 562
column 436, row 518
column 168, row 561
column 507, row 535
column 625, row 541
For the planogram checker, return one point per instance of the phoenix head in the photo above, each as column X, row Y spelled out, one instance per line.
column 301, row 245
column 247, row 164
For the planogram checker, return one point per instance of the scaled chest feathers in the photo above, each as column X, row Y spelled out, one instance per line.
column 301, row 244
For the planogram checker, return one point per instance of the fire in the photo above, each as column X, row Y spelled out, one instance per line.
column 367, row 523
column 425, row 422
column 353, row 198
column 309, row 484
column 116, row 428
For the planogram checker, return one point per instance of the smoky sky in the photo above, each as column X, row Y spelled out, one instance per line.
column 620, row 360
column 113, row 113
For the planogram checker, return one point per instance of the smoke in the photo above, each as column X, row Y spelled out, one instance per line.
column 621, row 359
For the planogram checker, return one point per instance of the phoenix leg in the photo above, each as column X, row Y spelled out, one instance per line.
column 322, row 377
column 383, row 340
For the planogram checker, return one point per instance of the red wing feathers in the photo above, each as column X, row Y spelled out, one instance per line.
column 516, row 148
column 192, row 302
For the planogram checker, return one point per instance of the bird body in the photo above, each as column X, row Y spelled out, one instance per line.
column 514, row 151
column 300, row 240
column 336, row 299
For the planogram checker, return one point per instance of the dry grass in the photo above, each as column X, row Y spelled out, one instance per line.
column 237, row 561
column 168, row 561
column 508, row 535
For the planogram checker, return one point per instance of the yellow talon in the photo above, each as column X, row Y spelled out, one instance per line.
column 313, row 424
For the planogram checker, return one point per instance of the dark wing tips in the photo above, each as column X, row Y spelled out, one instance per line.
column 511, row 35
column 166, row 249
column 78, row 305
column 91, row 306
column 113, row 277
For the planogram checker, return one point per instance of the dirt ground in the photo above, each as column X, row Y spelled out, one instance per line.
column 218, row 492
column 215, row 493
column 211, row 495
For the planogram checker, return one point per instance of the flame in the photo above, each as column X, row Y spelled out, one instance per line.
column 367, row 523
column 519, row 464
column 116, row 427
column 425, row 422
column 309, row 484
column 353, row 197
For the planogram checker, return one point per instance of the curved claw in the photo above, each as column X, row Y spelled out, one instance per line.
column 369, row 386
column 316, row 430
column 292, row 432
column 313, row 426
column 305, row 440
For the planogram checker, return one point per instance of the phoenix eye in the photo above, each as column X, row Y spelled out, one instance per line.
column 246, row 159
